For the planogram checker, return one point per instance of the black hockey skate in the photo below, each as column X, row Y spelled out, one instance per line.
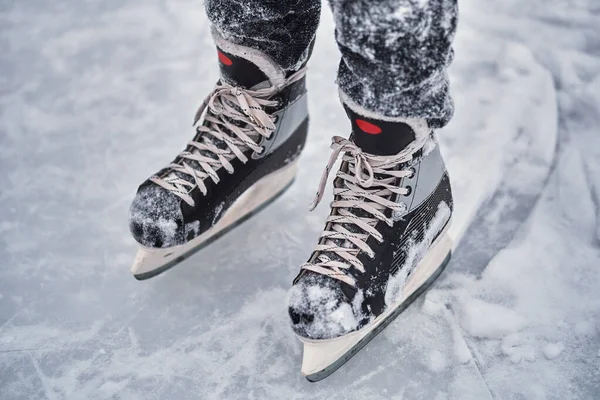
column 385, row 240
column 249, row 133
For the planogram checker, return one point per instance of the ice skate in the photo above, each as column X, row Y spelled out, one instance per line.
column 249, row 132
column 385, row 240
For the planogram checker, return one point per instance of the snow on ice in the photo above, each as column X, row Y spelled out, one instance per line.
column 553, row 350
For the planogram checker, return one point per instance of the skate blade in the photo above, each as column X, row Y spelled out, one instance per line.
column 150, row 262
column 323, row 357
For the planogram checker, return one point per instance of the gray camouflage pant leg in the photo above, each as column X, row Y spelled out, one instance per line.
column 283, row 29
column 395, row 53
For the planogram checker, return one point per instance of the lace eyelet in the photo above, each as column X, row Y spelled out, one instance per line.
column 275, row 119
column 413, row 172
column 408, row 190
column 278, row 103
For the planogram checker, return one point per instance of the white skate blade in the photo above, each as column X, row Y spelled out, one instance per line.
column 150, row 262
column 323, row 357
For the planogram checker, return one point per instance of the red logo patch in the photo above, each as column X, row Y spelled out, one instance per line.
column 224, row 59
column 368, row 127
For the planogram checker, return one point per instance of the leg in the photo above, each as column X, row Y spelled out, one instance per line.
column 283, row 29
column 385, row 240
column 395, row 54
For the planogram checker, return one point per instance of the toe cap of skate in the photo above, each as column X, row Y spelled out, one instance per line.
column 318, row 308
column 155, row 218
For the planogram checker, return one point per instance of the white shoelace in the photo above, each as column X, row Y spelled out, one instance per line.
column 368, row 185
column 236, row 117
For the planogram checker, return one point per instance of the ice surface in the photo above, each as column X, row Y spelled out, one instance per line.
column 95, row 96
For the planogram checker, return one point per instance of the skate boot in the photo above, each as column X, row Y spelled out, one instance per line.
column 249, row 133
column 385, row 240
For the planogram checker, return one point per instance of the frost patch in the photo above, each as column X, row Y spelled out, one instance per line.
column 154, row 214
column 322, row 308
column 553, row 350
column 429, row 145
column 415, row 253
column 218, row 211
column 486, row 320
column 193, row 227
column 437, row 361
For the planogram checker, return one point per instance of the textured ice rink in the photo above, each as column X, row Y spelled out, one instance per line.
column 95, row 96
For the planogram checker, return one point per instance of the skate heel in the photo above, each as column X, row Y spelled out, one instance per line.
column 150, row 262
column 323, row 357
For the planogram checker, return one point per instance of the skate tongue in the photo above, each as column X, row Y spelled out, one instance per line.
column 379, row 137
column 240, row 71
